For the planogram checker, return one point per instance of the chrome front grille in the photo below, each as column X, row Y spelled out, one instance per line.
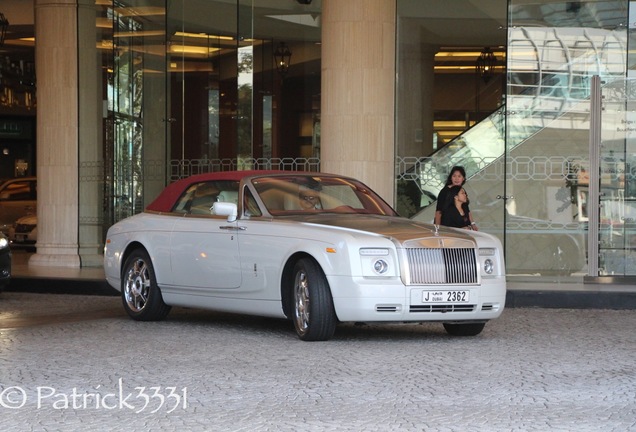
column 442, row 308
column 442, row 266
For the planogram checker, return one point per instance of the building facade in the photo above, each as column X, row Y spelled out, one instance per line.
column 532, row 98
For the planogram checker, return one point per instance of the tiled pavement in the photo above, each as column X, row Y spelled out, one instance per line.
column 72, row 362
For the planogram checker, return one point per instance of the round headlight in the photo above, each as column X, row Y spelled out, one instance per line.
column 380, row 266
column 489, row 266
column 3, row 242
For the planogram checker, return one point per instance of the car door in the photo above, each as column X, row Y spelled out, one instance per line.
column 204, row 253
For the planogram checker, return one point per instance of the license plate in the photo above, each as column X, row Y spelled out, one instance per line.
column 446, row 296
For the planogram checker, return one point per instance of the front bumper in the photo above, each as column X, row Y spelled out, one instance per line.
column 362, row 300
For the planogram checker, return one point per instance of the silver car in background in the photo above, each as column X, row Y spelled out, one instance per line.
column 18, row 197
column 24, row 232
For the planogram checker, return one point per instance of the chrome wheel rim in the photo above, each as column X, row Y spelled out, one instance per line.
column 137, row 286
column 301, row 301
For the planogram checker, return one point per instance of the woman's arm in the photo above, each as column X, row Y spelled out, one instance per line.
column 472, row 222
column 438, row 218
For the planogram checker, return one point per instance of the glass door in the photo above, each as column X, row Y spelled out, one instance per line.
column 229, row 106
column 136, row 105
column 614, row 175
column 449, row 108
column 202, row 85
column 616, row 180
column 554, row 50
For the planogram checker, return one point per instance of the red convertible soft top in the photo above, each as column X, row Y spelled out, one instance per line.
column 166, row 199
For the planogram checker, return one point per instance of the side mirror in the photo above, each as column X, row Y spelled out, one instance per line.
column 225, row 209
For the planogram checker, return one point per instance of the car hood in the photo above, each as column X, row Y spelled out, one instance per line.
column 28, row 220
column 398, row 228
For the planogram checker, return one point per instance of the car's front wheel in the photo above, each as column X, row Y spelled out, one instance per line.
column 472, row 329
column 139, row 291
column 314, row 315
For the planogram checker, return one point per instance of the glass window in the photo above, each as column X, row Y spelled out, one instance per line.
column 194, row 88
column 251, row 206
column 526, row 154
column 199, row 198
column 449, row 100
column 555, row 47
column 300, row 193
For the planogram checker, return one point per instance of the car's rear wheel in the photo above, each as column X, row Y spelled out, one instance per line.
column 139, row 291
column 472, row 329
column 314, row 315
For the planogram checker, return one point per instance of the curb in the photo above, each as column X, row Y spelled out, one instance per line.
column 514, row 298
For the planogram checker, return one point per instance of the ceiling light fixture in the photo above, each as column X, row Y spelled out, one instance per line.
column 282, row 57
column 486, row 64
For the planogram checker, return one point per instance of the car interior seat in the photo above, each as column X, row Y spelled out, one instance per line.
column 291, row 202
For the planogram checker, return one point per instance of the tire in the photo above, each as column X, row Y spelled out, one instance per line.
column 139, row 291
column 313, row 315
column 464, row 329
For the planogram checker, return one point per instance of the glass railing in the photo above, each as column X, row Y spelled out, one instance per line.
column 475, row 149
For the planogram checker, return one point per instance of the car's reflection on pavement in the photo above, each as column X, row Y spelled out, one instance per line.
column 19, row 309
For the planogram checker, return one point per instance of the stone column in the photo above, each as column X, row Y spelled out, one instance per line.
column 57, row 133
column 358, row 91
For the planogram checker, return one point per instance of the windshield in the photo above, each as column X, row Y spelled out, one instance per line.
column 300, row 194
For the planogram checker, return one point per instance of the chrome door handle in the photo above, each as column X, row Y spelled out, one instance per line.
column 233, row 228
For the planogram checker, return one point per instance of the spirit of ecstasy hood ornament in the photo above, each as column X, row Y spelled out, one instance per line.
column 436, row 229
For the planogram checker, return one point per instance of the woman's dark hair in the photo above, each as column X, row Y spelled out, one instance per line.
column 462, row 171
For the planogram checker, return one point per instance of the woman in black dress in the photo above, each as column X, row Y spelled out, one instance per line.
column 456, row 177
column 455, row 211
